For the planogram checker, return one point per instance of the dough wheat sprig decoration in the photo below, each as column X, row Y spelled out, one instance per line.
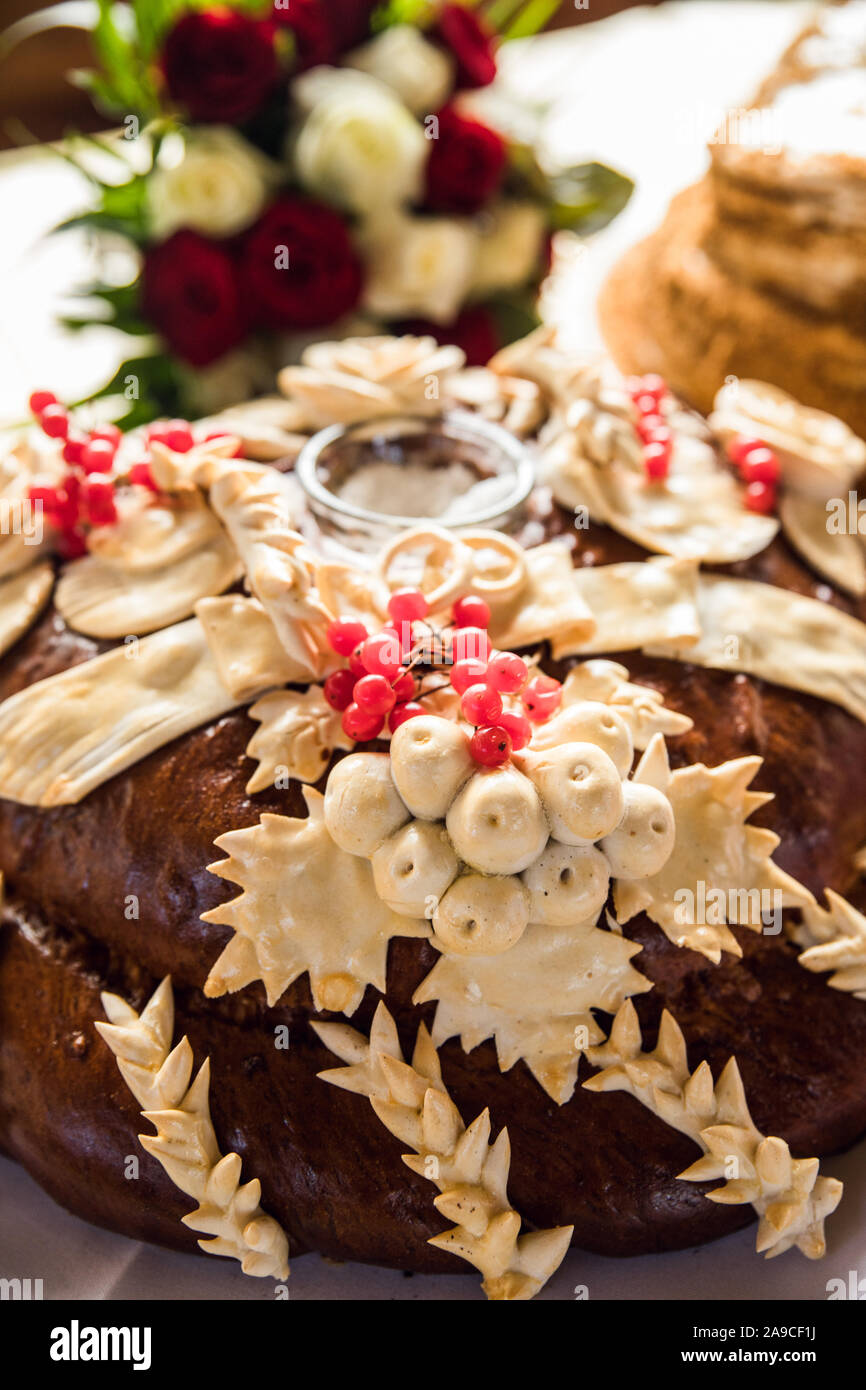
column 788, row 1194
column 470, row 1172
column 185, row 1142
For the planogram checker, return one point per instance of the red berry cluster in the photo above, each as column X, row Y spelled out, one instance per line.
column 648, row 393
column 759, row 469
column 378, row 682
column 85, row 496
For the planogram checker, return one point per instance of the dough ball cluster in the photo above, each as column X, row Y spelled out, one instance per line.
column 482, row 852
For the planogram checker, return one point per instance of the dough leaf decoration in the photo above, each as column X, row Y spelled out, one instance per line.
column 185, row 1143
column 470, row 1172
column 788, row 1194
column 306, row 907
column 721, row 869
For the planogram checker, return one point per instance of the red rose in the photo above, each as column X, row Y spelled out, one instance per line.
column 299, row 268
column 220, row 65
column 475, row 331
column 351, row 20
column 470, row 42
column 466, row 164
column 189, row 290
column 311, row 29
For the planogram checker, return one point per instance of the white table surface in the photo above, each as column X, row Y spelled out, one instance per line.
column 643, row 90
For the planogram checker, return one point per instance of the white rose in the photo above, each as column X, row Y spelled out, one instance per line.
column 219, row 186
column 421, row 74
column 324, row 83
column 360, row 148
column 510, row 251
column 418, row 266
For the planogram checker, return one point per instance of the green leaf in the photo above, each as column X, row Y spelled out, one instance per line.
column 531, row 20
column 419, row 12
column 155, row 377
column 516, row 315
column 588, row 197
column 112, row 306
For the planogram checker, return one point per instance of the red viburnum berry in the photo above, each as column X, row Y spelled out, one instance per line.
column 374, row 695
column 400, row 713
column 109, row 432
column 345, row 635
column 101, row 507
column 97, row 456
column 174, row 434
column 507, row 673
column 491, row 747
column 140, row 474
column 518, row 728
column 541, row 698
column 469, row 671
column 471, row 611
column 761, row 497
column 40, row 400
column 761, row 466
column 470, row 642
column 73, row 448
column 408, row 605
column 382, row 655
column 657, row 462
column 339, row 689
column 54, row 420
column 361, row 726
column 404, row 687
column 741, row 446
column 481, row 705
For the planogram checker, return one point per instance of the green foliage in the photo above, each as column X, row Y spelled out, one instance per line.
column 419, row 12
column 146, row 387
column 511, row 19
column 127, row 40
column 581, row 199
column 114, row 306
column 587, row 197
column 516, row 315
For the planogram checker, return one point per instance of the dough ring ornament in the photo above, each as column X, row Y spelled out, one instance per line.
column 558, row 811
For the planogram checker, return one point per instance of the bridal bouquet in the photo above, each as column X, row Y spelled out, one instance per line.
column 300, row 169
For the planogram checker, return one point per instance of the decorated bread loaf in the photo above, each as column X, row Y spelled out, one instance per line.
column 450, row 898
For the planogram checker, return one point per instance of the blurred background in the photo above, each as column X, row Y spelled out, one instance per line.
column 37, row 102
column 641, row 86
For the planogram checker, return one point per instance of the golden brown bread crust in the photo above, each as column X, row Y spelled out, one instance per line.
column 673, row 305
column 329, row 1171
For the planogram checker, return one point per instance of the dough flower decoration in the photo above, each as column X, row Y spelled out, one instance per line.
column 643, row 709
column 486, row 832
column 185, row 1143
column 628, row 457
column 790, row 1197
column 802, row 460
column 506, row 840
column 470, row 1172
column 297, row 736
column 720, row 871
column 362, row 378
column 834, row 939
